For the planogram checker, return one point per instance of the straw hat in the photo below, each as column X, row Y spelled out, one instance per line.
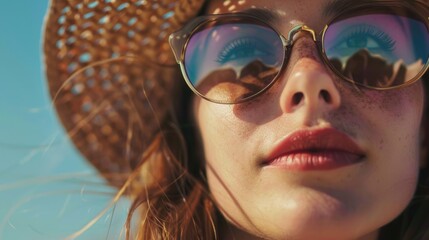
column 111, row 72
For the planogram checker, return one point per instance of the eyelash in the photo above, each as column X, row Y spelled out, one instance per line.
column 236, row 45
column 387, row 43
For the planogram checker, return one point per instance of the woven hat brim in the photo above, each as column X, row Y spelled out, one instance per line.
column 106, row 69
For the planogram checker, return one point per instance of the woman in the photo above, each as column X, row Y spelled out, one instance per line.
column 290, row 135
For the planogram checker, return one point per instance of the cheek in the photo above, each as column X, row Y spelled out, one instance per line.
column 395, row 104
column 397, row 116
column 390, row 123
column 219, row 125
column 391, row 120
column 220, row 134
column 229, row 150
column 392, row 116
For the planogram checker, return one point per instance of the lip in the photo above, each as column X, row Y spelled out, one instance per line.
column 318, row 149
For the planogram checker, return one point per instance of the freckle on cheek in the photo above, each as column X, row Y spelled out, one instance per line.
column 381, row 144
column 394, row 102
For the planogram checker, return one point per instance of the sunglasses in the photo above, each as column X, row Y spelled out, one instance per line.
column 232, row 58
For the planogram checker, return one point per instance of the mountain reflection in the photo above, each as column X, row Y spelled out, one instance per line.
column 224, row 84
column 373, row 70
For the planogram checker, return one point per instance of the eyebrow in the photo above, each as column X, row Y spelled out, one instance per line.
column 331, row 8
column 337, row 6
column 267, row 15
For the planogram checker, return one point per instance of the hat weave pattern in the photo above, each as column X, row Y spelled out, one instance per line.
column 106, row 69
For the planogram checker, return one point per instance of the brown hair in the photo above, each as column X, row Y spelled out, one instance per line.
column 173, row 203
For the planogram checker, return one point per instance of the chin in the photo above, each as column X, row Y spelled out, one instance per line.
column 314, row 216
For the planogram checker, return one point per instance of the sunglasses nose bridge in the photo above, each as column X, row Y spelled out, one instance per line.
column 297, row 29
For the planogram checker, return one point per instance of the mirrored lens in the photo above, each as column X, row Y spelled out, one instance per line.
column 378, row 50
column 229, row 61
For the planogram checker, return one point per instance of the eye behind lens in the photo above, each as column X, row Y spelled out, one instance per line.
column 233, row 59
column 377, row 50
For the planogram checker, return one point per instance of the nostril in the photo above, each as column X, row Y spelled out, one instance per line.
column 326, row 96
column 297, row 98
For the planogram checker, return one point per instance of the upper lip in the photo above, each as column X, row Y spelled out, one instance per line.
column 326, row 139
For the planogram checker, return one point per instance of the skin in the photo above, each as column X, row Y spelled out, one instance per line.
column 351, row 202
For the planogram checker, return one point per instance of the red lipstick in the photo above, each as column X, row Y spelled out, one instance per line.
column 319, row 149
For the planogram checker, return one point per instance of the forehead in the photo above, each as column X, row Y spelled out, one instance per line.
column 312, row 12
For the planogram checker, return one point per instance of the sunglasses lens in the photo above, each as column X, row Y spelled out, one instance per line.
column 378, row 50
column 229, row 61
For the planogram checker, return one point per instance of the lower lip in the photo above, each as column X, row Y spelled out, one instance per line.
column 320, row 160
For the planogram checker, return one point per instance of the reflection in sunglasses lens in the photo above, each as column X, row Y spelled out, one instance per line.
column 377, row 50
column 230, row 61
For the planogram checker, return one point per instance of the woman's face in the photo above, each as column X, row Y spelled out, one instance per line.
column 313, row 157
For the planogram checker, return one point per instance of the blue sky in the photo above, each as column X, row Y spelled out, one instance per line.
column 47, row 191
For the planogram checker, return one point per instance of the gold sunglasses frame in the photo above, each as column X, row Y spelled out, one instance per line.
column 179, row 41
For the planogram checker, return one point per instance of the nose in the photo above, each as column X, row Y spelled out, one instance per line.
column 309, row 85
